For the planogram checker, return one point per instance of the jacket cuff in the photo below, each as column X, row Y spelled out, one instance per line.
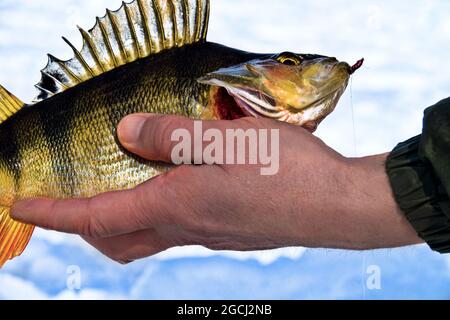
column 420, row 194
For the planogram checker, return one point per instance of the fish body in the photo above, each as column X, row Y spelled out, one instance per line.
column 148, row 57
column 69, row 147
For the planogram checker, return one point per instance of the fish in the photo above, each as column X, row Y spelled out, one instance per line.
column 149, row 56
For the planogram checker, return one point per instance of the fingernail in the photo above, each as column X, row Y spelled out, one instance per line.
column 20, row 210
column 130, row 128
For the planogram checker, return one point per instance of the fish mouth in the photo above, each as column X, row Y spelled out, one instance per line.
column 267, row 89
column 257, row 104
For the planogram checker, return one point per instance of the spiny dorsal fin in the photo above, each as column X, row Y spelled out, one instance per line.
column 9, row 104
column 137, row 30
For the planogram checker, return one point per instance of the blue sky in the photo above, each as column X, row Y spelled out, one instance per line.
column 405, row 44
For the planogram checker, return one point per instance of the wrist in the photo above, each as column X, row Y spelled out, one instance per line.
column 374, row 218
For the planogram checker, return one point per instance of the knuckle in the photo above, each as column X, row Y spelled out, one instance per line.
column 53, row 222
column 139, row 210
column 93, row 227
column 166, row 131
column 142, row 212
column 139, row 213
column 148, row 132
column 85, row 228
column 157, row 134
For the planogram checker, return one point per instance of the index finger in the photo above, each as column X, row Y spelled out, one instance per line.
column 105, row 215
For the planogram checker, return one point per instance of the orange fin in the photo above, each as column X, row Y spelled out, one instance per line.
column 14, row 236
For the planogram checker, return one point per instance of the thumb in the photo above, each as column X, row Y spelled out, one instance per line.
column 151, row 136
column 148, row 135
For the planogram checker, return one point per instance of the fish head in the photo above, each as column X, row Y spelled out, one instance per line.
column 298, row 89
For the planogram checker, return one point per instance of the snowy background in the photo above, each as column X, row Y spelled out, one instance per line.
column 406, row 44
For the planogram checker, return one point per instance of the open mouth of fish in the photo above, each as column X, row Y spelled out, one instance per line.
column 234, row 103
column 257, row 104
column 245, row 101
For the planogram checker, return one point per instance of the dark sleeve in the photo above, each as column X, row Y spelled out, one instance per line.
column 419, row 172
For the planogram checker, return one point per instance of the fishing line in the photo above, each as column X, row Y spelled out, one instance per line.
column 355, row 154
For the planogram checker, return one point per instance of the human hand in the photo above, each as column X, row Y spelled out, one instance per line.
column 317, row 199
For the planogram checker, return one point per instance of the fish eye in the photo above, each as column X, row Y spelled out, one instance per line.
column 289, row 58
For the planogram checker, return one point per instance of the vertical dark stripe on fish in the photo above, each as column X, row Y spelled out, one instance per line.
column 58, row 139
column 10, row 151
column 116, row 111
